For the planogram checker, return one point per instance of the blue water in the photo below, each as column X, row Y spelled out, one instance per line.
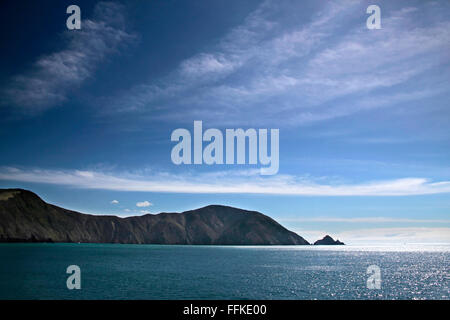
column 114, row 271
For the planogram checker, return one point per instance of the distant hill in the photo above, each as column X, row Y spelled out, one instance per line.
column 327, row 240
column 24, row 217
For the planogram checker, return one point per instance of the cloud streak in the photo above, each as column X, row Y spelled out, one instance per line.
column 52, row 77
column 297, row 74
column 364, row 220
column 226, row 182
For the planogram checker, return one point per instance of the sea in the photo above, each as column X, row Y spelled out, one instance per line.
column 123, row 271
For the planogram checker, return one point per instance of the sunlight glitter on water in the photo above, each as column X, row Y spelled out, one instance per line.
column 411, row 247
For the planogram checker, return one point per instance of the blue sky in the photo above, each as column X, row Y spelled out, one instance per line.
column 86, row 115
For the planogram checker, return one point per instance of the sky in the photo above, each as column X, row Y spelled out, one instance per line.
column 86, row 116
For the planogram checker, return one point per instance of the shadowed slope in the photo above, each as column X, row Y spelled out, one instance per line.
column 27, row 218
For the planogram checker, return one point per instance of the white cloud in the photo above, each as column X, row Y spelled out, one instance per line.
column 145, row 212
column 53, row 76
column 289, row 73
column 229, row 182
column 363, row 61
column 144, row 204
column 114, row 202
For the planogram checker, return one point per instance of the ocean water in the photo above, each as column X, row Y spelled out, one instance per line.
column 117, row 271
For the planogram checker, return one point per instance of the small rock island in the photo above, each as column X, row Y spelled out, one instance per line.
column 327, row 240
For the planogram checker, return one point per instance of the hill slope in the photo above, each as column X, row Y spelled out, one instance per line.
column 25, row 217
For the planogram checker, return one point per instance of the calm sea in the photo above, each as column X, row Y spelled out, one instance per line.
column 115, row 271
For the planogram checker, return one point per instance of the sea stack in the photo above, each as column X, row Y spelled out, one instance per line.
column 327, row 240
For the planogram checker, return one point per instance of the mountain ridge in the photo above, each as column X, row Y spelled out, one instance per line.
column 25, row 217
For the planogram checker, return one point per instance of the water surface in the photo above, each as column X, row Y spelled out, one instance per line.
column 117, row 271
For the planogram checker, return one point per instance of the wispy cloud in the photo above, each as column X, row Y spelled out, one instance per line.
column 53, row 76
column 363, row 220
column 291, row 73
column 114, row 202
column 229, row 182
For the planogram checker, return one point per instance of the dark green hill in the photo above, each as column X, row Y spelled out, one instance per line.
column 24, row 217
